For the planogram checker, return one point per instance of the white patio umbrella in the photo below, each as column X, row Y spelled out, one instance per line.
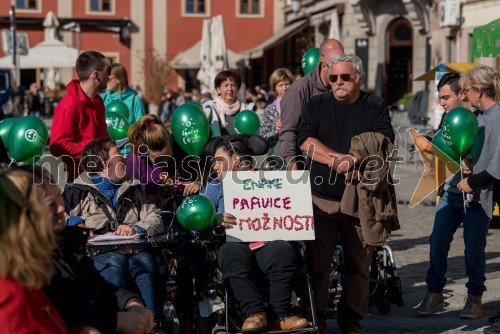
column 334, row 26
column 218, row 50
column 51, row 53
column 204, row 73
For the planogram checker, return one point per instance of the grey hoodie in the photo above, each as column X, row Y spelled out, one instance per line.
column 292, row 106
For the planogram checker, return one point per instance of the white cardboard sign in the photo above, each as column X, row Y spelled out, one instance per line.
column 269, row 205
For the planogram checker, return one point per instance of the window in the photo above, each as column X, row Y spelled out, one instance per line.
column 195, row 6
column 27, row 4
column 250, row 7
column 100, row 6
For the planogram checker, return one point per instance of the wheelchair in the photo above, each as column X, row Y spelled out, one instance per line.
column 216, row 310
column 173, row 278
column 385, row 284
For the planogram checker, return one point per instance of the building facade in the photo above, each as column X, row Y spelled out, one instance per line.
column 398, row 40
column 125, row 30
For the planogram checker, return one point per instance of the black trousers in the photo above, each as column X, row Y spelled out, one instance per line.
column 276, row 259
column 353, row 304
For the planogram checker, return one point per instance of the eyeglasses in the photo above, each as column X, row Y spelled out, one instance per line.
column 344, row 76
column 108, row 70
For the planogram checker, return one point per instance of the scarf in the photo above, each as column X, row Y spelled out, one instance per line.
column 224, row 109
column 277, row 104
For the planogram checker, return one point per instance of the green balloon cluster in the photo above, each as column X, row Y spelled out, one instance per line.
column 310, row 59
column 26, row 139
column 460, row 130
column 190, row 128
column 445, row 153
column 117, row 125
column 196, row 213
column 118, row 107
column 247, row 122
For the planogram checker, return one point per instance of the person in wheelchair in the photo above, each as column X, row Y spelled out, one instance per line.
column 276, row 259
column 158, row 162
column 105, row 199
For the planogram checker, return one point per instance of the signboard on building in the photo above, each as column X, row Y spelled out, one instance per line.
column 22, row 42
column 449, row 13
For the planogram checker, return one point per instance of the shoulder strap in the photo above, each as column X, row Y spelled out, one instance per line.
column 75, row 193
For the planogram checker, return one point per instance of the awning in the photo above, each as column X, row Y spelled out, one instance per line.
column 285, row 33
column 486, row 40
column 48, row 54
column 190, row 58
column 447, row 67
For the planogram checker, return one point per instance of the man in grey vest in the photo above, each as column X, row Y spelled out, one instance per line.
column 314, row 83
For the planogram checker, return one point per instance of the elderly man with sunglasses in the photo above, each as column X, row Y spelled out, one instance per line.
column 328, row 124
column 79, row 116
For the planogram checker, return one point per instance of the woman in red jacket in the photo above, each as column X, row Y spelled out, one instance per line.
column 28, row 240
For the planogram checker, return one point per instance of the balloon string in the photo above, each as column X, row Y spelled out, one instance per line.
column 463, row 192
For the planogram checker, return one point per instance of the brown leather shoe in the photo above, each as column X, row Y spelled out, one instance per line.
column 289, row 323
column 255, row 322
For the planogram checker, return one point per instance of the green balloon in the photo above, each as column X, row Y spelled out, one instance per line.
column 460, row 129
column 196, row 103
column 118, row 107
column 247, row 122
column 310, row 59
column 196, row 213
column 190, row 128
column 444, row 152
column 27, row 138
column 34, row 158
column 5, row 126
column 117, row 125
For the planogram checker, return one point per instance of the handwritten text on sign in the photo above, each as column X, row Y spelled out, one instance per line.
column 273, row 205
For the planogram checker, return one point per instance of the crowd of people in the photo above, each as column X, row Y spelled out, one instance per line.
column 323, row 122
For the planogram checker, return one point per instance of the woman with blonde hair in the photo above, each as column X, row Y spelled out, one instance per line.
column 118, row 89
column 154, row 162
column 481, row 87
column 28, row 241
column 279, row 81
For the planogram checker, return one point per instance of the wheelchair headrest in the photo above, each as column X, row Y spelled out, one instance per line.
column 256, row 144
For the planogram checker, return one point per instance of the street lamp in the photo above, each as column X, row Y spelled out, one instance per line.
column 74, row 26
column 15, row 51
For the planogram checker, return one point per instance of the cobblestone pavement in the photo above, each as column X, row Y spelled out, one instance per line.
column 411, row 247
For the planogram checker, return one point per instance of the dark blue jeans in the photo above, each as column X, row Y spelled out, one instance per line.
column 449, row 215
column 115, row 267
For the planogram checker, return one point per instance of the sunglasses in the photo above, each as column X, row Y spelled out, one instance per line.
column 108, row 70
column 344, row 76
